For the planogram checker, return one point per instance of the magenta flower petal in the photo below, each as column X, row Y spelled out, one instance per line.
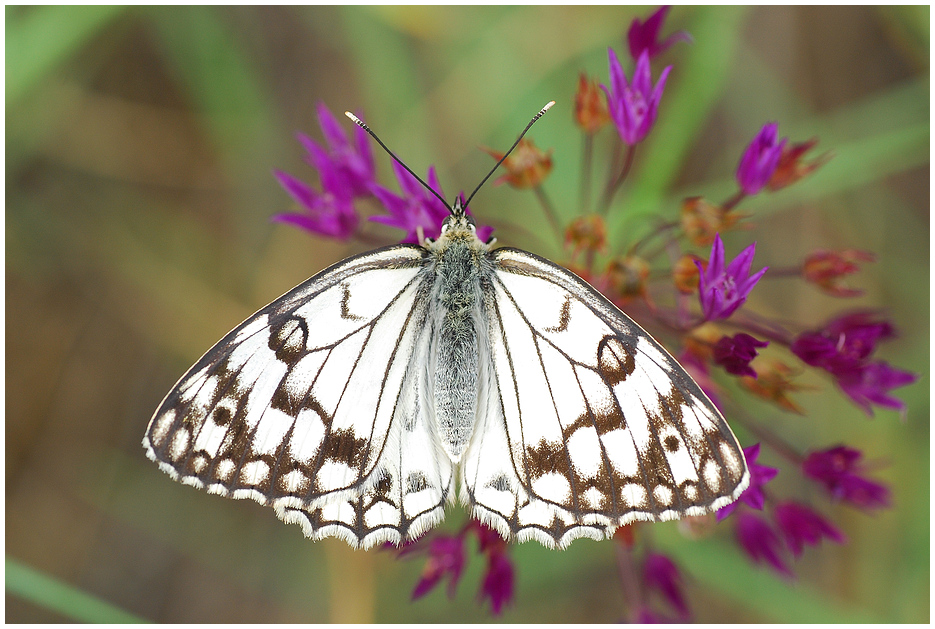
column 354, row 164
column 800, row 526
column 760, row 159
column 326, row 214
column 760, row 542
column 303, row 193
column 417, row 207
column 644, row 36
column 871, row 385
column 446, row 558
column 633, row 106
column 661, row 574
column 734, row 353
column 842, row 349
column 836, row 468
column 722, row 291
column 759, row 476
column 498, row 582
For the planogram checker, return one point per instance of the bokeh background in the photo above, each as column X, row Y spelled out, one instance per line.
column 139, row 150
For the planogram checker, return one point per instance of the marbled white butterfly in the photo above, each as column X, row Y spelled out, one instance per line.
column 351, row 403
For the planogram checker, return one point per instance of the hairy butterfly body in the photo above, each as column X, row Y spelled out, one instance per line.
column 351, row 404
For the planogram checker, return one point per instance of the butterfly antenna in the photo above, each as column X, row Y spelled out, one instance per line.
column 505, row 155
column 360, row 123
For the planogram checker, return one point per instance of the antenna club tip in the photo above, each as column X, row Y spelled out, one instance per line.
column 548, row 105
column 352, row 117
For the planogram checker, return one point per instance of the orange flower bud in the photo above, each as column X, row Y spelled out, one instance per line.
column 627, row 277
column 590, row 105
column 827, row 269
column 702, row 220
column 774, row 383
column 791, row 167
column 526, row 167
column 586, row 233
column 685, row 273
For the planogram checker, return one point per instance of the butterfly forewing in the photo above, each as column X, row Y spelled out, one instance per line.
column 311, row 403
column 601, row 426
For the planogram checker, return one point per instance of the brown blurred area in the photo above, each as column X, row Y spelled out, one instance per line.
column 138, row 233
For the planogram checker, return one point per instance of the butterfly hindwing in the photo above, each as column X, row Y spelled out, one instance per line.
column 596, row 425
column 311, row 403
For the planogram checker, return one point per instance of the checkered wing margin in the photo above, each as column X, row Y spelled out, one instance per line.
column 589, row 423
column 316, row 406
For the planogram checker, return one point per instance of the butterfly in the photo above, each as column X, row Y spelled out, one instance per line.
column 360, row 402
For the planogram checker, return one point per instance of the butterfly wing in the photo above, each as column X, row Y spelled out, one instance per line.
column 310, row 404
column 588, row 423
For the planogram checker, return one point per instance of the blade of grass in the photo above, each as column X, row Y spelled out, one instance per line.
column 230, row 96
column 63, row 598
column 39, row 39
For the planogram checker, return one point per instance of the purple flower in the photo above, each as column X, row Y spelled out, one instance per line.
column 843, row 343
column 661, row 574
column 871, row 384
column 723, row 290
column 800, row 526
column 760, row 160
column 329, row 213
column 760, row 542
column 344, row 172
column 446, row 557
column 488, row 539
column 417, row 207
column 353, row 165
column 498, row 582
column 734, row 353
column 842, row 349
column 835, row 469
column 633, row 106
column 643, row 36
column 759, row 476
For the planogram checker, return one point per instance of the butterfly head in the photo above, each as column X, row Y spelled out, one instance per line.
column 459, row 220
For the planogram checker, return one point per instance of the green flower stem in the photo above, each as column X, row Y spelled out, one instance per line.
column 616, row 183
column 586, row 167
column 550, row 214
column 732, row 202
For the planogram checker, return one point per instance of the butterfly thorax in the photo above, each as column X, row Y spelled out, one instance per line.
column 459, row 257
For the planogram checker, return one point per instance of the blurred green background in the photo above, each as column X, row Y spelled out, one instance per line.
column 139, row 150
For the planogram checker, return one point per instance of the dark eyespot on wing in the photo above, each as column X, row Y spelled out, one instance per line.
column 288, row 337
column 614, row 360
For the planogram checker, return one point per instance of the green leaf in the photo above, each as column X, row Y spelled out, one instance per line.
column 60, row 597
column 40, row 39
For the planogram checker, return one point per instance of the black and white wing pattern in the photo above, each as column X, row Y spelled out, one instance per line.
column 585, row 422
column 317, row 405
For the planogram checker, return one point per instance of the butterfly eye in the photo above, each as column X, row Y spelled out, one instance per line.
column 445, row 226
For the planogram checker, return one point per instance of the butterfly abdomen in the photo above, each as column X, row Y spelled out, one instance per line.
column 457, row 287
